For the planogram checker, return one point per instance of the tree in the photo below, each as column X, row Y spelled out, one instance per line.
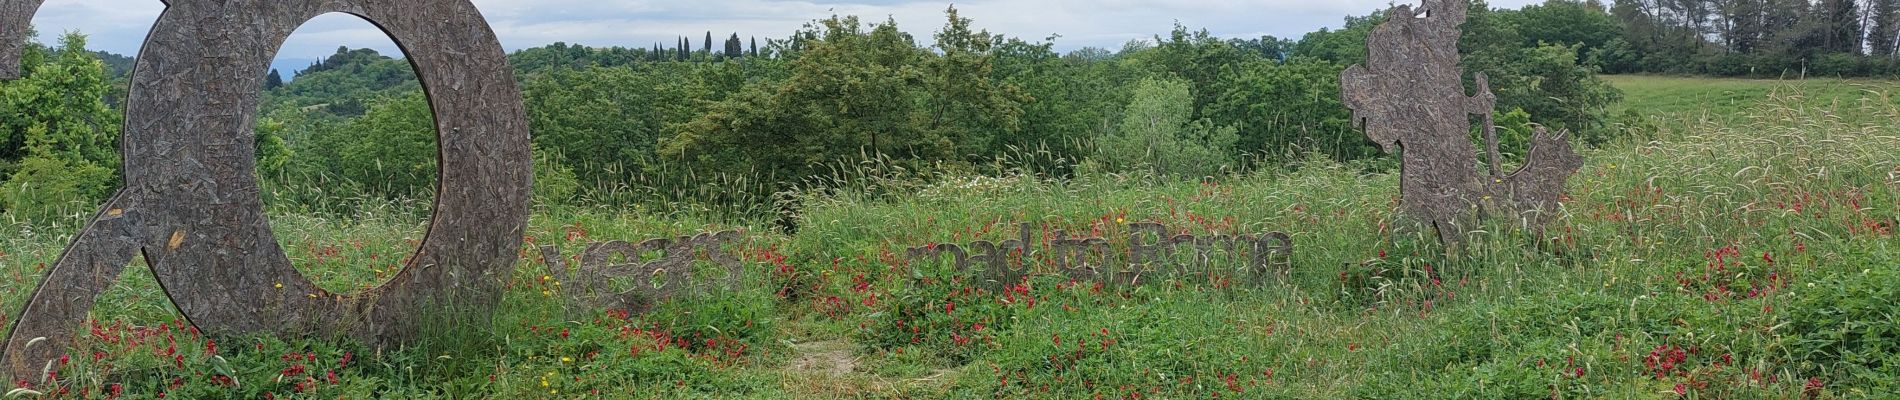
column 850, row 94
column 708, row 44
column 1884, row 37
column 274, row 80
column 1196, row 57
column 733, row 49
column 1746, row 24
column 965, row 102
column 1267, row 47
column 1841, row 23
column 390, row 151
column 608, row 121
column 755, row 47
column 1345, row 46
column 57, row 135
column 1281, row 110
column 1158, row 135
column 1566, row 22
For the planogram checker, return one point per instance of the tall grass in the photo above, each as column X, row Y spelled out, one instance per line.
column 1742, row 251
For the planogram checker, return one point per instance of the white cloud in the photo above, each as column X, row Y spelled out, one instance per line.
column 120, row 25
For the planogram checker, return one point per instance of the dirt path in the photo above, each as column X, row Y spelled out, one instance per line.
column 829, row 357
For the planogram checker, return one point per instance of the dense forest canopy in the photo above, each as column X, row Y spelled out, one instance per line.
column 731, row 127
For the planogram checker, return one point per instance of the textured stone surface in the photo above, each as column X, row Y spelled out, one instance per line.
column 1532, row 193
column 590, row 285
column 15, row 15
column 190, row 203
column 1152, row 255
column 1410, row 99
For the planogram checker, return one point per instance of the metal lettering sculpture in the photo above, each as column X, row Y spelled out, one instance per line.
column 590, row 283
column 1094, row 260
column 1410, row 98
column 190, row 203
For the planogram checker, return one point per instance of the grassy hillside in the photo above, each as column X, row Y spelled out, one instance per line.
column 1743, row 247
column 1731, row 100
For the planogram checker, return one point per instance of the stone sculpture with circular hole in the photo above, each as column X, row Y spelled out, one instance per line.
column 190, row 204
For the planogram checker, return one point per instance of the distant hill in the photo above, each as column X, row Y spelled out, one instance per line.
column 288, row 67
column 116, row 64
column 342, row 84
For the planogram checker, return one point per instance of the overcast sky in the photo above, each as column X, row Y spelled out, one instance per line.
column 120, row 26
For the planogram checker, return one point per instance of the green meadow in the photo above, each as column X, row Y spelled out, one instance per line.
column 1738, row 244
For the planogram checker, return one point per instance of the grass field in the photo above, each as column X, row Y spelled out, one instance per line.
column 1732, row 101
column 1742, row 246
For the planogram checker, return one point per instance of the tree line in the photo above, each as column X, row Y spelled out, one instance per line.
column 733, row 131
column 1753, row 38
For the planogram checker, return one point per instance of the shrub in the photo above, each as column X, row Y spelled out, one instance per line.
column 1157, row 135
column 46, row 190
column 1844, row 326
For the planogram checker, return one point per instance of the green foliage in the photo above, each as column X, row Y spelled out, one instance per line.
column 1345, row 46
column 1544, row 80
column 854, row 93
column 1197, row 58
column 685, row 130
column 608, row 121
column 1757, row 274
column 58, row 137
column 1581, row 23
column 1514, row 130
column 964, row 100
column 342, row 84
column 1745, row 38
column 1156, row 136
column 1067, row 100
column 390, row 150
column 1283, row 110
column 554, row 182
column 1843, row 325
column 44, row 190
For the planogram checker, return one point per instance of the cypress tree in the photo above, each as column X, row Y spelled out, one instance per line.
column 274, row 80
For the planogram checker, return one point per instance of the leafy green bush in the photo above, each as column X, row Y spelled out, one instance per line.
column 46, row 190
column 1158, row 135
column 58, row 152
column 1847, row 326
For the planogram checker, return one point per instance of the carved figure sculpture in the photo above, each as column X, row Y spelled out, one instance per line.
column 1410, row 98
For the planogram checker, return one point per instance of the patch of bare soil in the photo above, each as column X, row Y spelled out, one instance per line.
column 831, row 357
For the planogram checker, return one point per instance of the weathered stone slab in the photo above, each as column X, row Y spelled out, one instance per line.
column 1151, row 255
column 591, row 284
